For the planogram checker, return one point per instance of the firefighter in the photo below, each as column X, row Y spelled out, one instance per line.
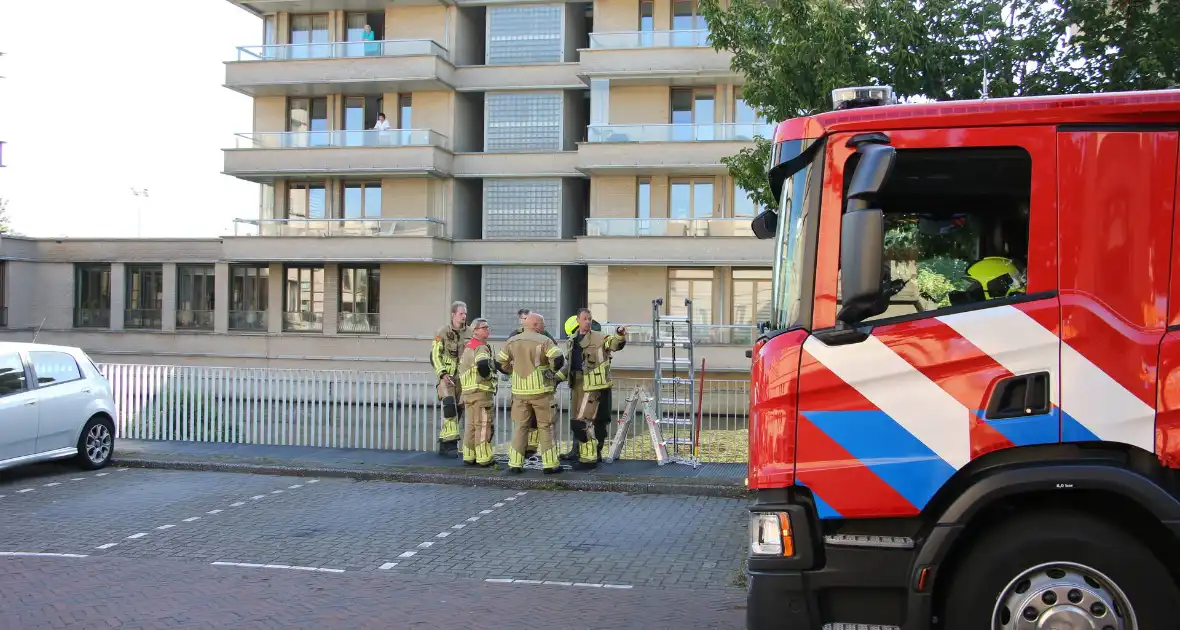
column 444, row 356
column 589, row 357
column 531, row 446
column 478, row 380
column 533, row 360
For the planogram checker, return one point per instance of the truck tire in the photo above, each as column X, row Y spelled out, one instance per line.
column 1060, row 566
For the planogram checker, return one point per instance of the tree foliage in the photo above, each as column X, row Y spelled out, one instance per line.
column 5, row 227
column 793, row 53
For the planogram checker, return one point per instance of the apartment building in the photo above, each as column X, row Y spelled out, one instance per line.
column 541, row 155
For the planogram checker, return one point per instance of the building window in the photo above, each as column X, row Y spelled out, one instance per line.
column 690, row 199
column 307, row 201
column 362, row 201
column 686, row 18
column 145, row 297
column 597, row 294
column 751, row 302
column 695, row 285
column 303, row 298
column 309, row 36
column 405, row 111
column 92, row 296
column 519, row 208
column 525, row 34
column 360, row 300
column 743, row 206
column 194, row 297
column 643, row 198
column 523, row 121
column 249, row 293
column 747, row 121
column 509, row 289
column 694, row 112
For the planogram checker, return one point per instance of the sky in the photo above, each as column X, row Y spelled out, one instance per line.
column 133, row 98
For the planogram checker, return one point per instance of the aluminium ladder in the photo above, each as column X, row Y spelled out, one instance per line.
column 674, row 383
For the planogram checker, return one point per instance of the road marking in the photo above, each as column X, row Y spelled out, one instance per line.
column 473, row 519
column 425, row 545
column 163, row 527
column 139, row 535
column 25, row 490
column 556, row 583
column 191, row 519
column 313, row 481
column 407, row 554
column 298, row 485
column 250, row 565
column 510, row 499
column 213, row 512
column 276, row 491
column 3, row 495
column 498, row 505
column 387, row 566
column 257, row 497
column 106, row 546
column 459, row 526
column 238, row 504
column 50, row 485
column 124, row 469
column 442, row 534
column 78, row 479
column 485, row 511
column 102, row 474
column 42, row 555
column 521, row 494
column 429, row 544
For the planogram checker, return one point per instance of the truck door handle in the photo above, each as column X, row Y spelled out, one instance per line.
column 86, row 391
column 30, row 403
column 1019, row 396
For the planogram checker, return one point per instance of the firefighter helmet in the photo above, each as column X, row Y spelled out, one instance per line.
column 571, row 325
column 997, row 277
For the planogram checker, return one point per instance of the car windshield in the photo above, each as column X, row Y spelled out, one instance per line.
column 796, row 203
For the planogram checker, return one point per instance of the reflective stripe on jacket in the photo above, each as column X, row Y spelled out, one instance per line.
column 444, row 350
column 474, row 352
column 596, row 349
column 526, row 356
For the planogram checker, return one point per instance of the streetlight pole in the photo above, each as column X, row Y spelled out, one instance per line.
column 141, row 195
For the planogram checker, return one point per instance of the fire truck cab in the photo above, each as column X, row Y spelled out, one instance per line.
column 965, row 413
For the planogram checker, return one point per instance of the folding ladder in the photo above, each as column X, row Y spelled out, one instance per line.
column 673, row 381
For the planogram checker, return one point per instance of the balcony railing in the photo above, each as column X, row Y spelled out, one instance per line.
column 683, row 132
column 669, row 227
column 625, row 40
column 703, row 334
column 352, row 138
column 413, row 226
column 194, row 320
column 303, row 321
column 256, row 321
column 92, row 318
column 343, row 50
column 359, row 323
column 143, row 318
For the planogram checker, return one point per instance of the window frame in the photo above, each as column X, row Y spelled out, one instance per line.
column 312, row 269
column 81, row 271
column 31, row 367
column 712, row 280
column 130, row 272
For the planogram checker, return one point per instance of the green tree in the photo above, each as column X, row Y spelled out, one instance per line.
column 5, row 227
column 793, row 53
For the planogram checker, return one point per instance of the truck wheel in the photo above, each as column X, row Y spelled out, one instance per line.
column 1059, row 569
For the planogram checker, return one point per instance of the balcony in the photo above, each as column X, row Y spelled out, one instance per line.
column 248, row 321
column 716, row 241
column 194, row 320
column 390, row 239
column 682, row 149
column 360, row 68
column 262, row 157
column 359, row 324
column 303, row 321
column 680, row 57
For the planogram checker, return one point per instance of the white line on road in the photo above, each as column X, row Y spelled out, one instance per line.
column 442, row 534
column 473, row 519
column 163, row 527
column 498, row 505
column 485, row 511
column 3, row 495
column 521, row 494
column 425, row 545
column 78, row 479
column 102, row 474
column 50, row 485
column 257, row 497
column 387, row 566
column 139, row 535
column 42, row 555
column 459, row 526
column 407, row 554
column 213, row 512
column 276, row 491
column 250, row 565
column 313, row 481
column 238, row 504
column 510, row 499
column 106, row 546
column 124, row 469
column 298, row 485
column 25, row 490
column 191, row 519
column 556, row 583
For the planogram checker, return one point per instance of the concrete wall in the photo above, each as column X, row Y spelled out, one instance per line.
column 416, row 22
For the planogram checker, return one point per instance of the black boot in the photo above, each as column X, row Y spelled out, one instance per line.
column 448, row 449
column 572, row 455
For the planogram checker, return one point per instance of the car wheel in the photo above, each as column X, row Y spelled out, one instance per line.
column 1059, row 569
column 96, row 445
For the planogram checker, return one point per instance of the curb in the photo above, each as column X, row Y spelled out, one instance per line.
column 428, row 475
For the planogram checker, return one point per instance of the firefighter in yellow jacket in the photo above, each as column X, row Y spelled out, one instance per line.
column 477, row 376
column 444, row 356
column 588, row 364
column 533, row 360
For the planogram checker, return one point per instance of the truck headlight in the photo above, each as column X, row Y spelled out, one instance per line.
column 770, row 534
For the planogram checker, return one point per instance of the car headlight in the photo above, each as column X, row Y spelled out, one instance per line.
column 770, row 534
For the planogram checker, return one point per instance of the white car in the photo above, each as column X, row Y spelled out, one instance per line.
column 54, row 404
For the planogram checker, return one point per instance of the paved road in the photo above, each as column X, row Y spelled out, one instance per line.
column 194, row 549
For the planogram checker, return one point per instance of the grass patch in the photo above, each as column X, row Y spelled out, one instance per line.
column 739, row 575
column 715, row 445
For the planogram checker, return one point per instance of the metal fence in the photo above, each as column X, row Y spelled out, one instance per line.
column 372, row 410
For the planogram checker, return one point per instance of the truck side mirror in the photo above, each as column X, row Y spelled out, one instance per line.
column 862, row 236
column 765, row 225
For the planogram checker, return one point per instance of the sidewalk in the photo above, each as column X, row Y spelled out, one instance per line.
column 724, row 480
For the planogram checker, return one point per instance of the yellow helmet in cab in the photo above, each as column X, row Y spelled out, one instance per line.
column 997, row 276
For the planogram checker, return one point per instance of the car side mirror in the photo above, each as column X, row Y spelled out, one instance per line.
column 765, row 225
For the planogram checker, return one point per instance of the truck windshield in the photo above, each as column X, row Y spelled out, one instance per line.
column 797, row 208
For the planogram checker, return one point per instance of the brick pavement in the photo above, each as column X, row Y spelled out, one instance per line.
column 412, row 531
column 131, row 594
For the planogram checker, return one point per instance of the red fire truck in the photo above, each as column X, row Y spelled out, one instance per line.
column 965, row 412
